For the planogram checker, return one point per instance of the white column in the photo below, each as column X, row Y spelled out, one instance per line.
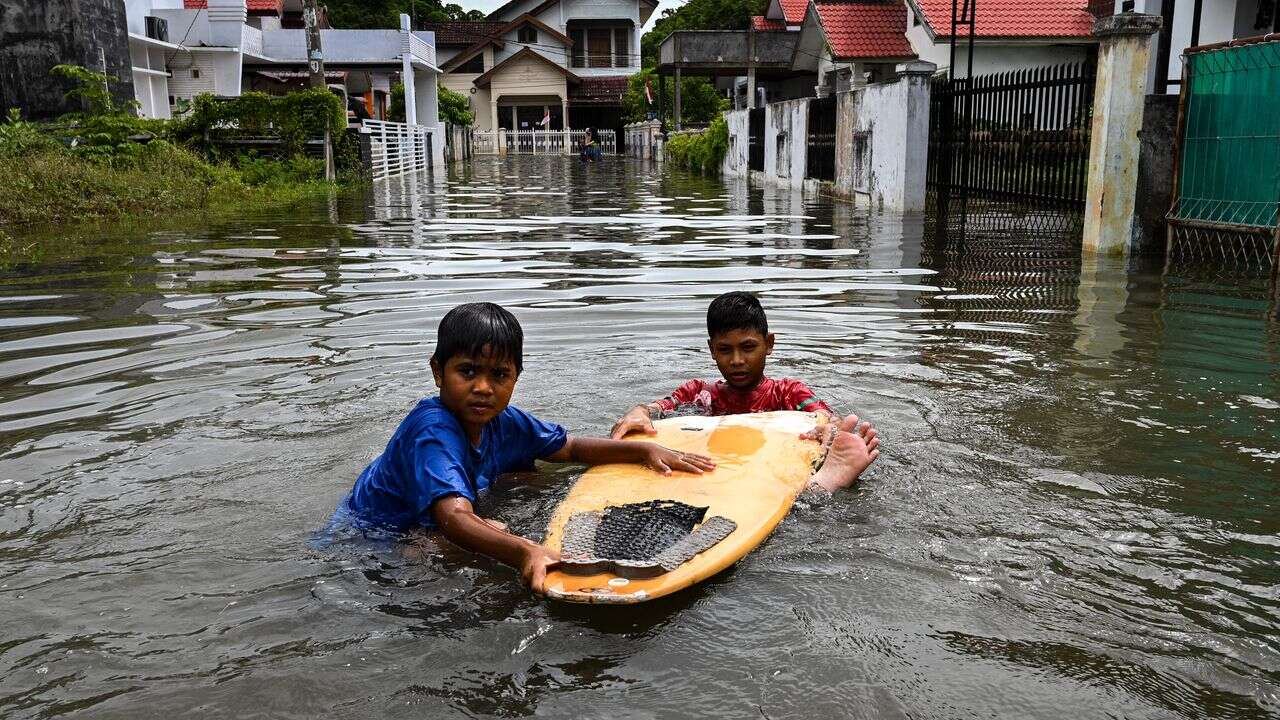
column 407, row 78
column 1124, row 54
column 564, row 124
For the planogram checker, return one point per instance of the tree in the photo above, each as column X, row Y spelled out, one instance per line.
column 698, row 15
column 372, row 14
column 700, row 102
column 453, row 108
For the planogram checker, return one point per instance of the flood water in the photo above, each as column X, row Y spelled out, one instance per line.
column 1076, row 512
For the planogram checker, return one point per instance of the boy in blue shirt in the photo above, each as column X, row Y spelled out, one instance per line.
column 452, row 446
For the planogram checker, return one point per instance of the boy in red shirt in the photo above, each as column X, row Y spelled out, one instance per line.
column 740, row 340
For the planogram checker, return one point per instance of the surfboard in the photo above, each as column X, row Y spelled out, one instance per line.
column 761, row 465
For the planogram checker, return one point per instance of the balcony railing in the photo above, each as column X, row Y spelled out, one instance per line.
column 602, row 60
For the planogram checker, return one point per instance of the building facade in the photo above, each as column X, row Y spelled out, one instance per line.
column 545, row 64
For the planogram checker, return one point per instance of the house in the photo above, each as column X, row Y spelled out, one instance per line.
column 183, row 48
column 1009, row 35
column 535, row 59
column 1190, row 23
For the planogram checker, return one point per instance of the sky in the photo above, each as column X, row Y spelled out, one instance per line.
column 488, row 6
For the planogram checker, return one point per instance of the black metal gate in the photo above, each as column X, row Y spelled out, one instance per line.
column 755, row 130
column 1010, row 151
column 821, row 157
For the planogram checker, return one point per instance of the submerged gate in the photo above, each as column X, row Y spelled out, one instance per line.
column 821, row 157
column 1009, row 152
column 755, row 132
column 1226, row 205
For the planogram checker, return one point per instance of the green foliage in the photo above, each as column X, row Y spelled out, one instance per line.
column 395, row 113
column 702, row 153
column 374, row 14
column 294, row 118
column 275, row 173
column 18, row 138
column 92, row 88
column 454, row 107
column 699, row 99
column 698, row 15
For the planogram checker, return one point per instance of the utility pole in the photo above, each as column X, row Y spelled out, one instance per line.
column 315, row 64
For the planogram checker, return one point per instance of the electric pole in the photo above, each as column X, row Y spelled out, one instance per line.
column 315, row 64
column 315, row 54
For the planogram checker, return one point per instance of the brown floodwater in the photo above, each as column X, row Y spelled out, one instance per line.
column 1076, row 513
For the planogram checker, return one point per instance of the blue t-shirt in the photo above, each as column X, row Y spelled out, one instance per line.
column 429, row 457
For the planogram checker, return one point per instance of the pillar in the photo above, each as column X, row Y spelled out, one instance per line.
column 751, row 69
column 564, row 125
column 493, row 117
column 676, row 108
column 1124, row 56
column 407, row 79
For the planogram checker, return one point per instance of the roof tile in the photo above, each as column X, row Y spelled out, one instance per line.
column 463, row 32
column 1015, row 18
column 794, row 10
column 865, row 30
column 255, row 7
column 760, row 23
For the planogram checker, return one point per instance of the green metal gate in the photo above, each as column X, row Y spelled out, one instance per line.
column 1227, row 178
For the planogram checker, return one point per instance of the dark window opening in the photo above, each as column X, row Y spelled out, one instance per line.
column 472, row 65
column 527, row 35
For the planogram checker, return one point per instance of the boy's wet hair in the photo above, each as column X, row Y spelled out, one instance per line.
column 469, row 329
column 736, row 310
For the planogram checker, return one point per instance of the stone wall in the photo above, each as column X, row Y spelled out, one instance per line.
column 1155, row 173
column 786, row 136
column 35, row 35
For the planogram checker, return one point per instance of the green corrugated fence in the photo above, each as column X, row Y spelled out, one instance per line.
column 1230, row 164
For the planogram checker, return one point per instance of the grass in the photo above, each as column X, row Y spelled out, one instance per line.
column 55, row 186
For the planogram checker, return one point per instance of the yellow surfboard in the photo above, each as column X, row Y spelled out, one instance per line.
column 761, row 465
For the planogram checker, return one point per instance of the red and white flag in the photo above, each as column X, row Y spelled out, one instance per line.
column 648, row 90
column 546, row 119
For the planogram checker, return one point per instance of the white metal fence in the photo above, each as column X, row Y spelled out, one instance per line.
column 540, row 142
column 397, row 148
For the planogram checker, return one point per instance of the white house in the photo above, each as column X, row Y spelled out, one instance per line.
column 1009, row 34
column 184, row 48
column 535, row 59
column 1188, row 23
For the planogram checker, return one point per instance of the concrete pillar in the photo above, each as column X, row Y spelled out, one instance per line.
column 676, row 109
column 751, row 69
column 564, row 124
column 1124, row 54
column 493, row 116
column 915, row 77
column 407, row 78
column 226, row 22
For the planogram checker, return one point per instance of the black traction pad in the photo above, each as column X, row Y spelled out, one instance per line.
column 640, row 539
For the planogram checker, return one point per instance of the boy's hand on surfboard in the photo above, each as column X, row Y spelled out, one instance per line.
column 637, row 418
column 537, row 562
column 664, row 461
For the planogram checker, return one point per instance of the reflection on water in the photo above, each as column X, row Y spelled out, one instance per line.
column 1076, row 508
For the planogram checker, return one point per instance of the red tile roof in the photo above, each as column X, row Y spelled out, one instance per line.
column 603, row 90
column 793, row 10
column 255, row 7
column 1015, row 18
column 463, row 32
column 760, row 23
column 865, row 30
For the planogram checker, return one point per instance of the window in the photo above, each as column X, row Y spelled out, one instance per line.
column 527, row 35
column 579, row 50
column 473, row 65
column 621, row 57
column 195, row 73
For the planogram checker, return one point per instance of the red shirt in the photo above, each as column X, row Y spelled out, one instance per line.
column 721, row 399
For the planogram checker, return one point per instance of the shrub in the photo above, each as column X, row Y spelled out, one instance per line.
column 18, row 138
column 703, row 152
column 454, row 107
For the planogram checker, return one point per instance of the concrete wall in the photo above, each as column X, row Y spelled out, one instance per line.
column 1155, row 173
column 35, row 35
column 736, row 158
column 882, row 142
column 786, row 135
